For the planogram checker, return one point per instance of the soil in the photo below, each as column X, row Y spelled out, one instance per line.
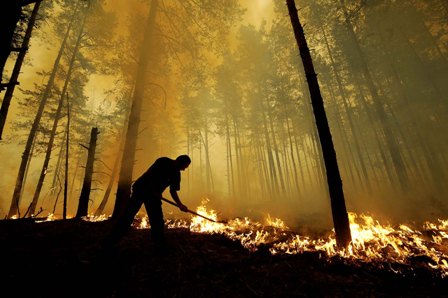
column 64, row 259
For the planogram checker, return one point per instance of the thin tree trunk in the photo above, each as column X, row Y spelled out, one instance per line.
column 58, row 163
column 391, row 142
column 291, row 149
column 100, row 209
column 276, row 152
column 56, row 119
column 87, row 183
column 348, row 112
column 239, row 185
column 272, row 170
column 17, row 66
column 230, row 171
column 299, row 160
column 67, row 145
column 15, row 202
column 340, row 216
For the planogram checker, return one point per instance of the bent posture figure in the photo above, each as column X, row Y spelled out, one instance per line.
column 148, row 190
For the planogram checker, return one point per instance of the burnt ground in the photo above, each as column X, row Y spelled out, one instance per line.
column 62, row 259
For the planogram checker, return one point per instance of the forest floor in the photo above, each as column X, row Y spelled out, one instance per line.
column 62, row 259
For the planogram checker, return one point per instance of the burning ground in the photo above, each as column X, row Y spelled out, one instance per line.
column 242, row 258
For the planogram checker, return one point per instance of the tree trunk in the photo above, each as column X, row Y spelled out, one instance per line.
column 67, row 145
column 127, row 163
column 9, row 16
column 348, row 112
column 230, row 171
column 276, row 151
column 291, row 150
column 14, row 208
column 391, row 141
column 17, row 66
column 56, row 120
column 58, row 163
column 87, row 183
column 340, row 217
column 103, row 203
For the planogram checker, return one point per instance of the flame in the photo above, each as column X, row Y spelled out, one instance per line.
column 50, row 217
column 372, row 242
column 95, row 218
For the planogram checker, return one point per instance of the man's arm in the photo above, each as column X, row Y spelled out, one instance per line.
column 175, row 197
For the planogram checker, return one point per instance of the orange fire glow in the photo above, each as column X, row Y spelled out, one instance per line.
column 372, row 242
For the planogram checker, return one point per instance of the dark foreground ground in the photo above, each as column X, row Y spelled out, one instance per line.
column 62, row 259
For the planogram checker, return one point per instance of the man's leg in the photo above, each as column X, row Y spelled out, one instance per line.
column 122, row 224
column 154, row 209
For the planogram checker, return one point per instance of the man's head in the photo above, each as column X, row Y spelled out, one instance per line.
column 182, row 162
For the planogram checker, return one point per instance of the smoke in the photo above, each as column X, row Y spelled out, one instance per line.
column 181, row 87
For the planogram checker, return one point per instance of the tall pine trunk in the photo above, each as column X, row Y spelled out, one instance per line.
column 389, row 138
column 127, row 163
column 83, row 205
column 340, row 217
column 56, row 119
column 348, row 112
column 9, row 17
column 67, row 145
column 15, row 202
column 17, row 66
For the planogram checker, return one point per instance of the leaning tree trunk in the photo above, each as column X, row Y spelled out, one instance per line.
column 17, row 66
column 9, row 17
column 127, row 162
column 14, row 208
column 83, row 205
column 56, row 120
column 340, row 217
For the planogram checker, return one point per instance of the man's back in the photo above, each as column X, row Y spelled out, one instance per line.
column 159, row 176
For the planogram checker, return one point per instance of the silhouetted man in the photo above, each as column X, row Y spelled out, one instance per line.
column 148, row 190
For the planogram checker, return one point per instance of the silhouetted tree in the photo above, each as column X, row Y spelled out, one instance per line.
column 340, row 217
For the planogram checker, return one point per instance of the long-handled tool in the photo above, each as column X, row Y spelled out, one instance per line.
column 192, row 212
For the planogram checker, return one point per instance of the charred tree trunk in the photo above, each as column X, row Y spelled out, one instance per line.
column 17, row 66
column 127, row 163
column 14, row 208
column 340, row 217
column 9, row 16
column 87, row 183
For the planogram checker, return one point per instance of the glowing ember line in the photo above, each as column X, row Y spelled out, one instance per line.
column 372, row 242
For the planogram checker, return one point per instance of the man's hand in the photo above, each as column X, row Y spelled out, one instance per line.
column 183, row 207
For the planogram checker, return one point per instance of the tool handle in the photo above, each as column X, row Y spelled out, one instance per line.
column 192, row 212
